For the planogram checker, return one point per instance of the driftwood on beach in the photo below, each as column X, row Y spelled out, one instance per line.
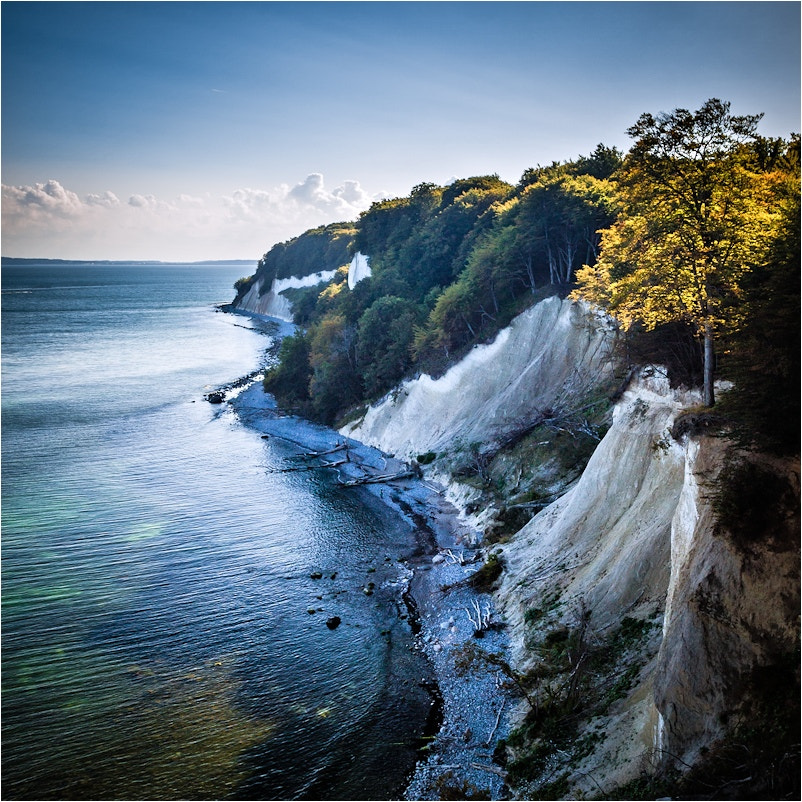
column 371, row 480
column 296, row 468
column 406, row 473
column 315, row 454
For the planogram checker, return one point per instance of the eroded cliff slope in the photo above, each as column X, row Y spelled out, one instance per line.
column 645, row 624
column 272, row 301
column 550, row 349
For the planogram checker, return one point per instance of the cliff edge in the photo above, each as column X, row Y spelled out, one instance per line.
column 653, row 606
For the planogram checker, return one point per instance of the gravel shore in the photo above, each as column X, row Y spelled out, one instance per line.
column 474, row 698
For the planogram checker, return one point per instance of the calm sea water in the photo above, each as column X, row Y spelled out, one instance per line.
column 157, row 639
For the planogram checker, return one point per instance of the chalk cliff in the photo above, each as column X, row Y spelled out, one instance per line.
column 274, row 303
column 545, row 350
column 632, row 565
column 358, row 269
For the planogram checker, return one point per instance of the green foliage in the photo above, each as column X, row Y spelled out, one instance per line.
column 486, row 577
column 289, row 380
column 323, row 248
column 696, row 214
column 452, row 265
column 242, row 285
column 427, row 458
column 762, row 356
column 602, row 163
column 385, row 333
column 335, row 383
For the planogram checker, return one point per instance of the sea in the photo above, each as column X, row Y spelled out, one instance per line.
column 166, row 580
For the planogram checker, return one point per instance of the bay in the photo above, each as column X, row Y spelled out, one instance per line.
column 163, row 637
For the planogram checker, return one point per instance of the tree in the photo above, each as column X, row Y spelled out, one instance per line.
column 384, row 343
column 289, row 380
column 763, row 356
column 695, row 218
column 335, row 383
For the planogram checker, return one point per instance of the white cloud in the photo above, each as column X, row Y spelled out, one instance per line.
column 306, row 200
column 353, row 194
column 310, row 190
column 306, row 204
column 190, row 200
column 139, row 201
column 40, row 202
column 107, row 199
column 48, row 220
column 151, row 203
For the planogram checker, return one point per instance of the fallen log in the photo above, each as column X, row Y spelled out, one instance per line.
column 371, row 480
column 493, row 769
column 296, row 468
column 332, row 464
column 495, row 726
column 315, row 454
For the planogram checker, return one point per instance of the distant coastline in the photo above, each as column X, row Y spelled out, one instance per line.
column 14, row 261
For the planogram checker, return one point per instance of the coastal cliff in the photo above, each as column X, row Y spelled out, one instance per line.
column 273, row 301
column 639, row 536
column 306, row 262
column 550, row 347
column 640, row 626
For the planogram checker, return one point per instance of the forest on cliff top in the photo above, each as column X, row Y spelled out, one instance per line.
column 691, row 240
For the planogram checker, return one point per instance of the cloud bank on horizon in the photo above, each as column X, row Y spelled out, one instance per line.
column 202, row 130
column 45, row 216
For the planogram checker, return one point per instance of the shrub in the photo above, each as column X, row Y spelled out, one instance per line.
column 484, row 579
column 751, row 503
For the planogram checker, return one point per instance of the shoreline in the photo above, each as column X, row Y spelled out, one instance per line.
column 476, row 703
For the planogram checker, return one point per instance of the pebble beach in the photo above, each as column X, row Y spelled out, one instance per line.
column 472, row 701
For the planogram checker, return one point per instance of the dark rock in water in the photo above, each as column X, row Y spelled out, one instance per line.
column 216, row 397
column 333, row 622
column 265, row 437
column 316, row 575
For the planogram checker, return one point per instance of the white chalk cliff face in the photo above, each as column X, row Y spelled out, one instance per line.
column 605, row 546
column 526, row 367
column 273, row 303
column 358, row 269
column 730, row 611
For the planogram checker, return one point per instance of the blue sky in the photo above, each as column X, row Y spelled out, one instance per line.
column 194, row 130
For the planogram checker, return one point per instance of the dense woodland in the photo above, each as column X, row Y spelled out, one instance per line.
column 691, row 240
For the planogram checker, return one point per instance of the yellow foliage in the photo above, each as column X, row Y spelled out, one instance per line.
column 664, row 260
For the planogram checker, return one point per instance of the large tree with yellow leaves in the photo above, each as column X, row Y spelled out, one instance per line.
column 695, row 217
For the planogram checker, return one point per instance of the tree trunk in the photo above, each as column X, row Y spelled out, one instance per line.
column 530, row 272
column 709, row 395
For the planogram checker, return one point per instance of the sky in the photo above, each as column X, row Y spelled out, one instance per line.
column 184, row 131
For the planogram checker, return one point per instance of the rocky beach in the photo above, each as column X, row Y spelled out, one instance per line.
column 471, row 700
